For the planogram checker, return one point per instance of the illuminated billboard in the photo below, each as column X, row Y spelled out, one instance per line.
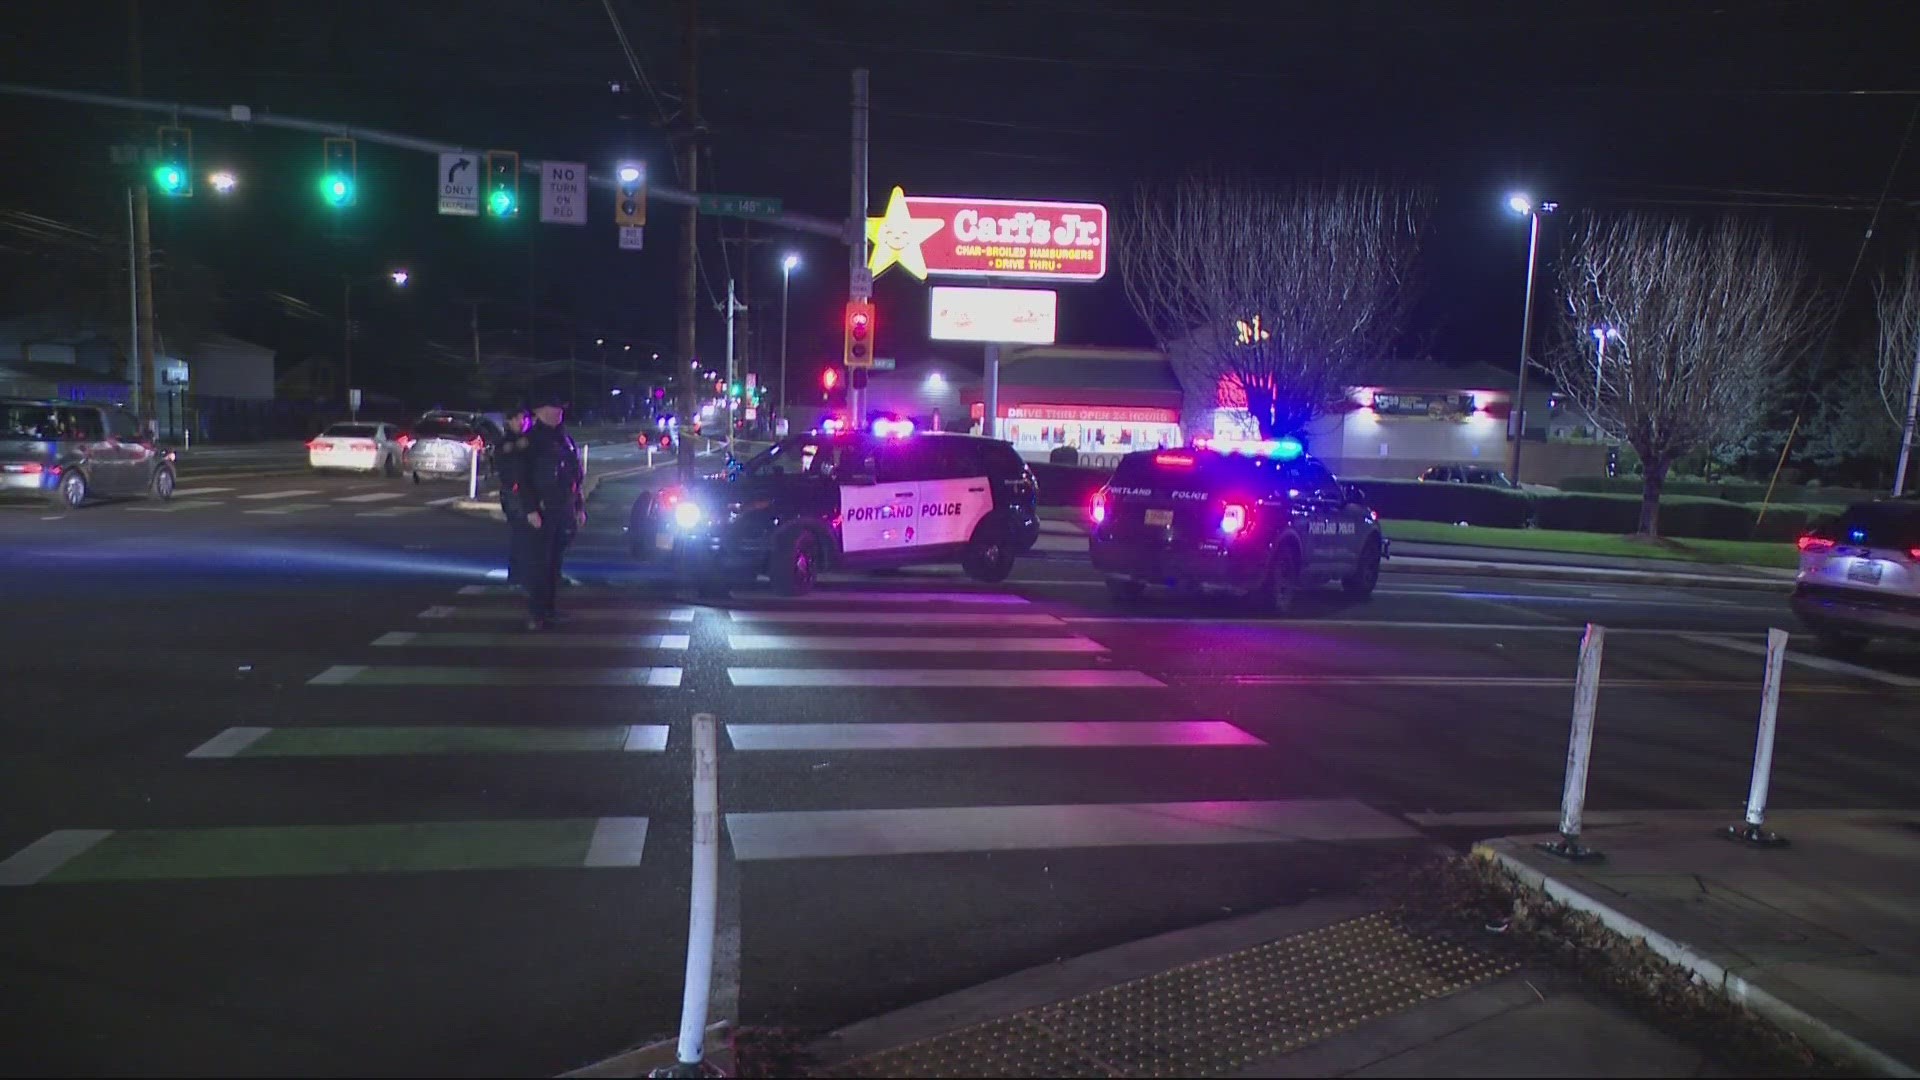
column 1048, row 241
column 1025, row 316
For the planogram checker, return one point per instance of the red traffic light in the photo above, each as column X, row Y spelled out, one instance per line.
column 860, row 332
column 829, row 379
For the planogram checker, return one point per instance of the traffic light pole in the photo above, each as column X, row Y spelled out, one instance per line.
column 860, row 282
column 143, row 240
column 689, row 239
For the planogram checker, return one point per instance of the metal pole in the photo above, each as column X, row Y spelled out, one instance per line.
column 142, row 228
column 346, row 339
column 1752, row 829
column 990, row 406
column 731, row 308
column 702, row 903
column 786, row 281
column 473, row 327
column 1907, row 428
column 1586, row 696
column 133, row 312
column 860, row 282
column 1526, row 336
column 689, row 234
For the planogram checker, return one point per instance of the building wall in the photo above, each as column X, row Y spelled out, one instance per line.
column 228, row 368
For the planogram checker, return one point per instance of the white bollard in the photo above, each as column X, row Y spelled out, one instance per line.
column 1586, row 696
column 649, row 457
column 583, row 458
column 1752, row 829
column 703, row 901
column 473, row 474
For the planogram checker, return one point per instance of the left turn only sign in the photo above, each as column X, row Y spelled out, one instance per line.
column 563, row 192
column 459, row 183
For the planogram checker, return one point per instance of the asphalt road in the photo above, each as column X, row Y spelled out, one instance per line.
column 288, row 794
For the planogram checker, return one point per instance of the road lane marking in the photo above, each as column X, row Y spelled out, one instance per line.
column 372, row 675
column 519, row 611
column 563, row 640
column 398, row 740
column 373, row 497
column 898, row 618
column 979, row 678
column 91, row 856
column 174, row 508
column 290, row 493
column 857, row 643
column 33, row 863
column 447, row 501
column 391, row 511
column 828, row 834
column 287, row 508
column 837, row 597
column 232, row 742
column 992, row 734
column 1818, row 663
column 187, row 493
column 1523, row 819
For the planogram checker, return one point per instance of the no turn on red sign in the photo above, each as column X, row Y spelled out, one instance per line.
column 563, row 192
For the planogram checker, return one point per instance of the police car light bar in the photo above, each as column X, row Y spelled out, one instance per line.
column 884, row 428
column 1281, row 449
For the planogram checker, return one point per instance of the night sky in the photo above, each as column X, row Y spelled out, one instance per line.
column 1792, row 110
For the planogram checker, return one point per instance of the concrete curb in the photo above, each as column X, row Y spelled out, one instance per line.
column 1410, row 564
column 1819, row 1034
column 642, row 1060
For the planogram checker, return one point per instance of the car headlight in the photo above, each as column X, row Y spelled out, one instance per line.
column 686, row 514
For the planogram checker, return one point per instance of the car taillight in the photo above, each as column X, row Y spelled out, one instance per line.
column 1178, row 461
column 31, row 468
column 477, row 443
column 1814, row 545
column 319, row 444
column 403, row 441
column 669, row 497
column 1914, row 553
column 361, row 444
column 1099, row 507
column 1233, row 518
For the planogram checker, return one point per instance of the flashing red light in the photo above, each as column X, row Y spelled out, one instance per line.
column 670, row 497
column 1178, row 461
column 1914, row 553
column 1233, row 518
column 1813, row 545
column 31, row 468
column 1099, row 507
column 829, row 379
column 403, row 441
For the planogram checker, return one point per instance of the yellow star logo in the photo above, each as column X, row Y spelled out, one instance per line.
column 897, row 236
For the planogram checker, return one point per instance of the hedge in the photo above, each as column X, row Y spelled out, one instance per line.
column 1067, row 485
column 1475, row 504
column 1740, row 491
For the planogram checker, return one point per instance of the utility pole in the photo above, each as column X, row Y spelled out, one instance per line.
column 473, row 327
column 860, row 281
column 733, row 306
column 143, row 243
column 346, row 340
column 690, row 232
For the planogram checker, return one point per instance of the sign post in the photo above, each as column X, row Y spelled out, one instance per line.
column 459, row 184
column 563, row 193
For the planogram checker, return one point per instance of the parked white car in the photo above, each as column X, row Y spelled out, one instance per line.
column 360, row 448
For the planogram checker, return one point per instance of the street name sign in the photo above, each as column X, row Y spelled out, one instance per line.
column 741, row 206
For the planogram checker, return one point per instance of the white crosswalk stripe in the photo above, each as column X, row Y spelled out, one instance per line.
column 290, row 493
column 372, row 497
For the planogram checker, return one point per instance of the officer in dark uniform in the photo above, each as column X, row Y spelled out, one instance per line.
column 505, row 460
column 542, row 490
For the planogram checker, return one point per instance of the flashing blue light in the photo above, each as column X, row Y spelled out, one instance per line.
column 1287, row 449
column 1857, row 534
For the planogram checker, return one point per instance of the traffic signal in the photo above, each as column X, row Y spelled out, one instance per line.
column 829, row 379
column 339, row 173
column 630, row 197
column 173, row 166
column 859, row 352
column 503, row 183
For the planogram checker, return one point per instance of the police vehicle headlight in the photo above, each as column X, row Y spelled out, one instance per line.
column 686, row 514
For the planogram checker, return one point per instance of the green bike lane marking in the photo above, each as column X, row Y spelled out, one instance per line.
column 255, row 742
column 93, row 856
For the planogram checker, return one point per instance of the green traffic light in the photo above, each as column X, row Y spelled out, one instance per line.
column 170, row 179
column 500, row 202
column 337, row 189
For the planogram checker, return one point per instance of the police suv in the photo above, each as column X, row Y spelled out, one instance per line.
column 1263, row 520
column 874, row 499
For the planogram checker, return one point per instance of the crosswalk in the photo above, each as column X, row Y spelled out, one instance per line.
column 297, row 501
column 906, row 670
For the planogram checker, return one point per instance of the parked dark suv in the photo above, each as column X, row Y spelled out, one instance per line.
column 813, row 502
column 68, row 452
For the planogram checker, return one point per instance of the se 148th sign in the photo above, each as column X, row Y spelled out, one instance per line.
column 1049, row 241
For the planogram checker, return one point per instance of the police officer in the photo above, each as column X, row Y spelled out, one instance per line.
column 505, row 460
column 543, row 492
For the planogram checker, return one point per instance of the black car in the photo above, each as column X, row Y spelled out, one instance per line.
column 1264, row 522
column 823, row 501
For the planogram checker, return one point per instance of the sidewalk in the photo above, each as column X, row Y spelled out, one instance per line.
column 1821, row 937
column 1324, row 988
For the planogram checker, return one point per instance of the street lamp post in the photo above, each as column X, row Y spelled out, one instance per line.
column 1521, row 204
column 787, row 265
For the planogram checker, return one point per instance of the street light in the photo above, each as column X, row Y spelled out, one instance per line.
column 1520, row 203
column 399, row 277
column 223, row 182
column 787, row 266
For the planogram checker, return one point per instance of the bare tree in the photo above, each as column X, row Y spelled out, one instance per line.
column 1897, row 301
column 1704, row 321
column 1277, row 289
